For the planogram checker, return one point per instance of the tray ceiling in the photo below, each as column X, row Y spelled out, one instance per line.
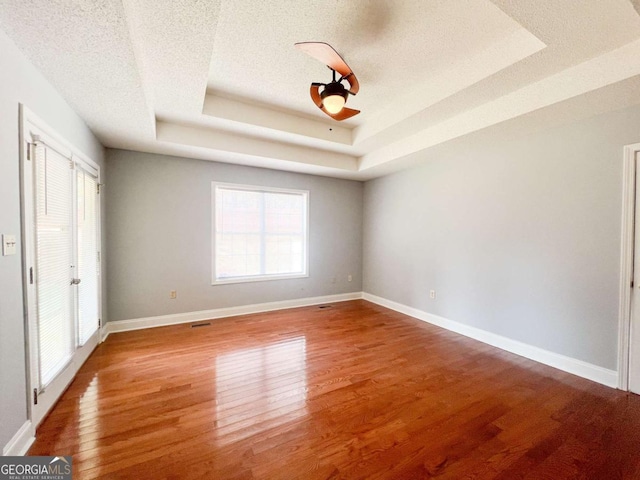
column 221, row 80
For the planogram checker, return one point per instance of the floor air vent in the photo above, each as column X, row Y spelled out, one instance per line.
column 325, row 306
column 195, row 325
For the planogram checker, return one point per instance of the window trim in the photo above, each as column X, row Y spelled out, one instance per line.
column 264, row 277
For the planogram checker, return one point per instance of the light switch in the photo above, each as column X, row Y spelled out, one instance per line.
column 8, row 244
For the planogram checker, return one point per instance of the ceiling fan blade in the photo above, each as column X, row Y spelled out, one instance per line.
column 326, row 54
column 345, row 113
column 342, row 114
column 315, row 94
column 354, row 85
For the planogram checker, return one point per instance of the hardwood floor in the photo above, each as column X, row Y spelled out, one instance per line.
column 351, row 391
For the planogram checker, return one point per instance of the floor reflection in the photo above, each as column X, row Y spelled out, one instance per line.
column 90, row 418
column 260, row 388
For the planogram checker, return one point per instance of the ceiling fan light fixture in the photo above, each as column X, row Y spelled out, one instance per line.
column 331, row 100
column 334, row 96
column 334, row 103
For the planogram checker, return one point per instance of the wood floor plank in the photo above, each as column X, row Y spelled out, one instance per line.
column 353, row 391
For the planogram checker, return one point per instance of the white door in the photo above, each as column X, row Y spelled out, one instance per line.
column 61, row 219
column 634, row 343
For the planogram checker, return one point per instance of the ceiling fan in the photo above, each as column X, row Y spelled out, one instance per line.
column 334, row 95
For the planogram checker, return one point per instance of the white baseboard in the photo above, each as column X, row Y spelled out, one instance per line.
column 21, row 441
column 164, row 320
column 571, row 365
column 104, row 332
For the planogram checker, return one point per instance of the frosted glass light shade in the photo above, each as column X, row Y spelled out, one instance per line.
column 333, row 103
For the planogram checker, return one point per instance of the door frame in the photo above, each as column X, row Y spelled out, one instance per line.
column 626, row 262
column 30, row 123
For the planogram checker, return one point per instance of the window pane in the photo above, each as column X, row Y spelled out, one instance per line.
column 238, row 211
column 284, row 213
column 56, row 336
column 259, row 232
column 236, row 255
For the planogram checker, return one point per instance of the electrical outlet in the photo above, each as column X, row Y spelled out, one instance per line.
column 432, row 294
column 349, row 278
column 173, row 294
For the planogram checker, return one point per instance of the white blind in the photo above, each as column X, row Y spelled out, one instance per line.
column 259, row 233
column 56, row 336
column 87, row 224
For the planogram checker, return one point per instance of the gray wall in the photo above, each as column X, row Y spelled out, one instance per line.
column 20, row 82
column 159, row 235
column 519, row 237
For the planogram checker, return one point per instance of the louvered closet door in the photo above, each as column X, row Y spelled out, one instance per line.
column 54, row 261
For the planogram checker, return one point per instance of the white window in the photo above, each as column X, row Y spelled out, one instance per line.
column 259, row 233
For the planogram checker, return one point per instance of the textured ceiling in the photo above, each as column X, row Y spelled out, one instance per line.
column 392, row 48
column 221, row 80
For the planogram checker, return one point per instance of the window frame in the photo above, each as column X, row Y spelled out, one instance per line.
column 263, row 277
